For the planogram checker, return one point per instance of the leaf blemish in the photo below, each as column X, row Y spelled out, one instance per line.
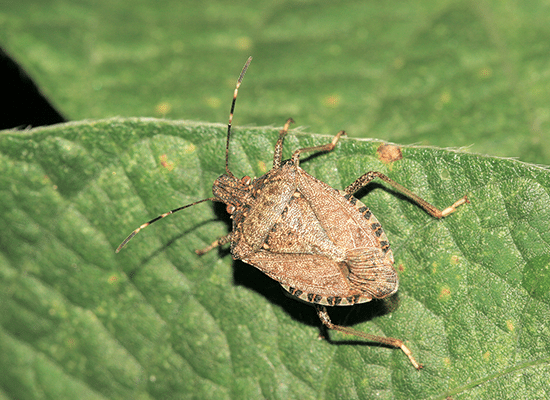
column 445, row 293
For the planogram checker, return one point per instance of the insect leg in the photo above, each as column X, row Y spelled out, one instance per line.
column 278, row 153
column 325, row 319
column 430, row 209
column 219, row 242
column 326, row 147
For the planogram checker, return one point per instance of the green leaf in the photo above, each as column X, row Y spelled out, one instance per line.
column 158, row 321
column 445, row 73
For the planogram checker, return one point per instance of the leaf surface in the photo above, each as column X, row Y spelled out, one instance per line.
column 158, row 321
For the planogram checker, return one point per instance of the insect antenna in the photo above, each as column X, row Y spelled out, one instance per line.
column 239, row 81
column 145, row 225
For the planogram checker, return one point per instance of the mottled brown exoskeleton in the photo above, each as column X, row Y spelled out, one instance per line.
column 321, row 244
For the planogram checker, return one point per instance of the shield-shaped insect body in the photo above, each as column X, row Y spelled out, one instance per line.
column 321, row 244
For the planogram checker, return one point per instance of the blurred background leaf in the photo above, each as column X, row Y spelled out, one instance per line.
column 438, row 73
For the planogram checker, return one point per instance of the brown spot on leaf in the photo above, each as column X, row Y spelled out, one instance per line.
column 169, row 165
column 445, row 293
column 388, row 153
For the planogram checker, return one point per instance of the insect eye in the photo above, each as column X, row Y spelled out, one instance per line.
column 246, row 180
column 230, row 209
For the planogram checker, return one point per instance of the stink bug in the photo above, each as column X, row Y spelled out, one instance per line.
column 321, row 244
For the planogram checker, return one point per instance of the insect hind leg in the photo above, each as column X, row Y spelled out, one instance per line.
column 387, row 341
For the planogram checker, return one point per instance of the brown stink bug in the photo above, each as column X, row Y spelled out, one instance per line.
column 321, row 244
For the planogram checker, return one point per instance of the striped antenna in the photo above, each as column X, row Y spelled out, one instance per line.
column 235, row 93
column 145, row 225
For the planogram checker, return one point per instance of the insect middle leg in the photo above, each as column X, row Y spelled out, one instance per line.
column 430, row 209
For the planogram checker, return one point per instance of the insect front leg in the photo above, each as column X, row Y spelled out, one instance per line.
column 387, row 341
column 429, row 208
column 278, row 153
column 325, row 147
column 219, row 242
